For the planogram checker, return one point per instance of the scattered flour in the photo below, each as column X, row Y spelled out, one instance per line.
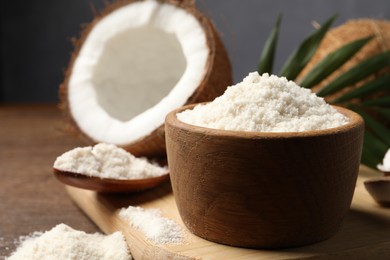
column 63, row 242
column 107, row 161
column 385, row 166
column 31, row 236
column 265, row 104
column 156, row 228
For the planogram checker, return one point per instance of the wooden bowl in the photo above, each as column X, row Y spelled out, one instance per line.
column 263, row 190
column 379, row 189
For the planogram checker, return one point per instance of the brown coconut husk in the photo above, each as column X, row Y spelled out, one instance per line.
column 217, row 78
column 346, row 33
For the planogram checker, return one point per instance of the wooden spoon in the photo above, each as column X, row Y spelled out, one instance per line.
column 379, row 189
column 108, row 185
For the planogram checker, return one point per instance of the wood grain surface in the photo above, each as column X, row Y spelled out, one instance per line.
column 31, row 199
column 31, row 136
column 365, row 233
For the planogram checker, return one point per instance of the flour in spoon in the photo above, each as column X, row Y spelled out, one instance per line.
column 265, row 104
column 107, row 161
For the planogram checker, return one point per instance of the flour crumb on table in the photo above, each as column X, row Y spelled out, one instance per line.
column 156, row 228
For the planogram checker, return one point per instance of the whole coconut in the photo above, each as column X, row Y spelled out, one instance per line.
column 346, row 33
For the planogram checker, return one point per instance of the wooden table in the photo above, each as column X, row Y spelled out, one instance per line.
column 31, row 199
column 32, row 136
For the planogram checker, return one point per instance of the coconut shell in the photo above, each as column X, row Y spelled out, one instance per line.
column 217, row 77
column 346, row 33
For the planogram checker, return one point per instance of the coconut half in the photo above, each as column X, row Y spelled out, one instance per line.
column 136, row 62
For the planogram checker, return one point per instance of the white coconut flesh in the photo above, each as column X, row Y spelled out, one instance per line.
column 137, row 64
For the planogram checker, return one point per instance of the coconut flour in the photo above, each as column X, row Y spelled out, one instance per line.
column 63, row 242
column 107, row 161
column 385, row 166
column 265, row 104
column 156, row 228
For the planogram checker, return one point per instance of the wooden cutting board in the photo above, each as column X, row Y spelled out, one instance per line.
column 365, row 232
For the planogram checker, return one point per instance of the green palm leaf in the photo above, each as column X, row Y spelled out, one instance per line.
column 376, row 140
column 381, row 102
column 267, row 56
column 373, row 86
column 368, row 156
column 376, row 145
column 374, row 150
column 357, row 73
column 382, row 132
column 384, row 112
column 302, row 55
column 332, row 62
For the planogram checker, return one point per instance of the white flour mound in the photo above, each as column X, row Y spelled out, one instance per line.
column 265, row 104
column 63, row 242
column 156, row 228
column 107, row 161
column 385, row 166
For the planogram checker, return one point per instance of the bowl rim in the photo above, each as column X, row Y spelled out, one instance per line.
column 355, row 121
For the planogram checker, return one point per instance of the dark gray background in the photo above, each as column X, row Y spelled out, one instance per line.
column 36, row 47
